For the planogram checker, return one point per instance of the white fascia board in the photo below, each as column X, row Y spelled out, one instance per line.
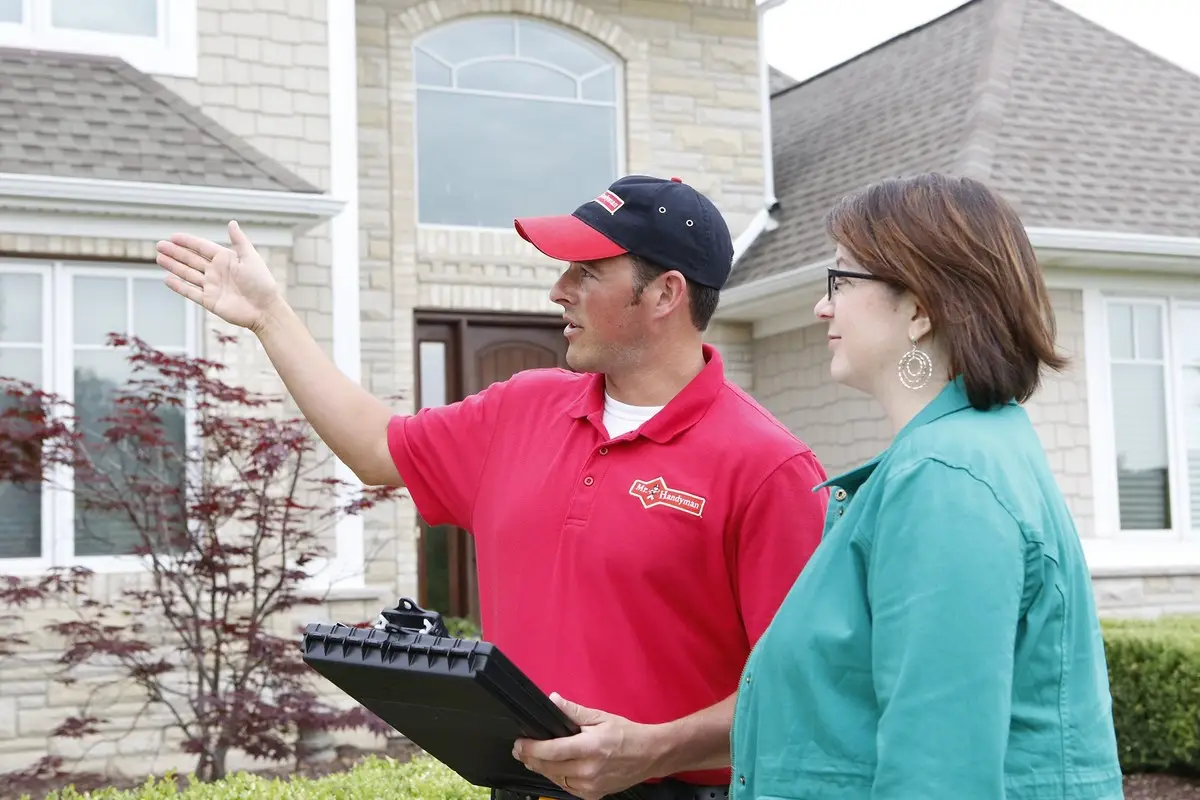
column 1114, row 242
column 1072, row 251
column 54, row 205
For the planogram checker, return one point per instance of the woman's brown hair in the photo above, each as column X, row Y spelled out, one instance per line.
column 962, row 251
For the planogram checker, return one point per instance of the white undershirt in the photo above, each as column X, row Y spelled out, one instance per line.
column 622, row 418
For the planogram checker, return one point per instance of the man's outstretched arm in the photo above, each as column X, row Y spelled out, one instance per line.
column 235, row 284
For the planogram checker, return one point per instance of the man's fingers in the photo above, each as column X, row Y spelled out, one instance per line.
column 236, row 237
column 187, row 290
column 204, row 247
column 188, row 256
column 553, row 751
column 179, row 269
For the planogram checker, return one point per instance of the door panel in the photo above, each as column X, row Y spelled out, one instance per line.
column 473, row 352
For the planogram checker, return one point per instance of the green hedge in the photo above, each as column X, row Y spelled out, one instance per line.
column 420, row 779
column 1154, row 668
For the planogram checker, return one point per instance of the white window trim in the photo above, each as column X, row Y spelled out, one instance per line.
column 1109, row 549
column 58, row 532
column 619, row 95
column 174, row 52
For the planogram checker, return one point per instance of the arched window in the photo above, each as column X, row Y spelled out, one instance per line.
column 514, row 117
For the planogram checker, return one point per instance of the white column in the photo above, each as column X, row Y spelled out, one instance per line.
column 347, row 569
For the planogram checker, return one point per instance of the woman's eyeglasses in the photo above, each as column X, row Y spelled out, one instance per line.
column 834, row 274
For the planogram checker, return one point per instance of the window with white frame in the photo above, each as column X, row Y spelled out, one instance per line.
column 515, row 116
column 155, row 36
column 1154, row 378
column 54, row 320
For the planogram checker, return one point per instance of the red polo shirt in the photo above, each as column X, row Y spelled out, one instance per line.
column 629, row 574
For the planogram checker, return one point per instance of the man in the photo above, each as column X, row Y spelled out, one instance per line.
column 637, row 521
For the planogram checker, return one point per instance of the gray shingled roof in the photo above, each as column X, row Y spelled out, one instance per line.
column 779, row 80
column 89, row 117
column 1075, row 125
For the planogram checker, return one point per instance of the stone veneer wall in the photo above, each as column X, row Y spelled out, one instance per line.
column 691, row 110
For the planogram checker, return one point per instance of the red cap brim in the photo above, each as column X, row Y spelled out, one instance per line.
column 567, row 238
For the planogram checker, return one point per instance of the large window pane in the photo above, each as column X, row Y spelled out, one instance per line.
column 1136, row 332
column 100, row 308
column 130, row 17
column 517, row 77
column 556, row 156
column 158, row 314
column 21, row 357
column 476, row 38
column 432, row 358
column 20, row 308
column 1143, row 478
column 10, row 10
column 123, row 474
column 479, row 81
column 1191, row 425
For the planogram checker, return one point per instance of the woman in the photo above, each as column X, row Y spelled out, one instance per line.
column 943, row 642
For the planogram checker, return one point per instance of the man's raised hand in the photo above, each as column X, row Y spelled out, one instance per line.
column 232, row 282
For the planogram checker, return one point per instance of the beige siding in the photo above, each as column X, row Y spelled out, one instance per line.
column 691, row 109
column 845, row 428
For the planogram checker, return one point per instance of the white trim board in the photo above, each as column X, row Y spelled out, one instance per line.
column 1071, row 260
column 51, row 205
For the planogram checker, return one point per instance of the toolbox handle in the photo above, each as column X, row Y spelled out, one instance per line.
column 408, row 617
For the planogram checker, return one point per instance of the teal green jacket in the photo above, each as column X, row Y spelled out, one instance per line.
column 942, row 643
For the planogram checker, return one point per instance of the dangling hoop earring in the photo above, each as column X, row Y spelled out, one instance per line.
column 915, row 367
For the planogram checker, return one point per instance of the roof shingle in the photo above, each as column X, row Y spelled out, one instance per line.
column 1076, row 126
column 82, row 116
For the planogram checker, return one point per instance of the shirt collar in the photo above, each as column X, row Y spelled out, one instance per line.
column 682, row 412
column 951, row 399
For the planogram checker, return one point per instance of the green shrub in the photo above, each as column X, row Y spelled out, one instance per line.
column 1154, row 669
column 462, row 627
column 423, row 778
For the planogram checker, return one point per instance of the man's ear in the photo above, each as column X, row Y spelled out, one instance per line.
column 672, row 293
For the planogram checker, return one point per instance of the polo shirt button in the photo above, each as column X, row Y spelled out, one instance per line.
column 603, row 451
column 588, row 481
column 839, row 495
column 742, row 780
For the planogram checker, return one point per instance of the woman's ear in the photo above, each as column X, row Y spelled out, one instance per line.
column 919, row 324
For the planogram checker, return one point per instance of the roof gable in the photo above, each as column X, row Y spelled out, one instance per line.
column 1077, row 126
column 78, row 116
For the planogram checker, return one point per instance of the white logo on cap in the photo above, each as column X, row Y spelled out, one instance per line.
column 609, row 201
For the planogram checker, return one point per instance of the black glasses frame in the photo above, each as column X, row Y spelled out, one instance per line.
column 841, row 273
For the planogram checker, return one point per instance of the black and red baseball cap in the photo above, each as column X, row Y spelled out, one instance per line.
column 665, row 222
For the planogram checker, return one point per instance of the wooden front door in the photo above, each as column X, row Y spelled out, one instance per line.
column 459, row 355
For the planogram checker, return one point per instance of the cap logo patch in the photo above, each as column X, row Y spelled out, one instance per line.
column 610, row 201
column 657, row 493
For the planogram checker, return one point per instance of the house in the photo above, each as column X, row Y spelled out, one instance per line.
column 1096, row 143
column 376, row 151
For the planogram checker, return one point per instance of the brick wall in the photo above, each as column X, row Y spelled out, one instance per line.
column 690, row 110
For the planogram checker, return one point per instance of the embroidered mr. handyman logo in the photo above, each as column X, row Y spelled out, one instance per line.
column 610, row 201
column 657, row 493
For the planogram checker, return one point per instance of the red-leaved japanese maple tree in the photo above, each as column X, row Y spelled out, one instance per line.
column 222, row 505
